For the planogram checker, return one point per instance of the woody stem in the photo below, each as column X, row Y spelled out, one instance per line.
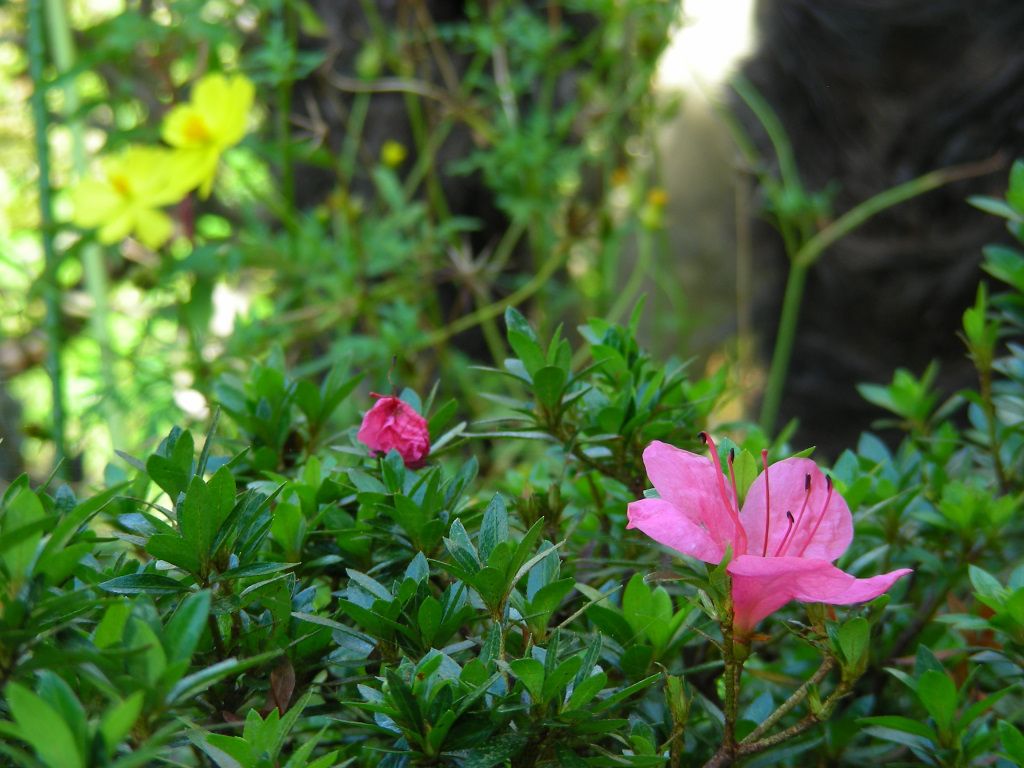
column 753, row 744
column 733, row 671
column 797, row 696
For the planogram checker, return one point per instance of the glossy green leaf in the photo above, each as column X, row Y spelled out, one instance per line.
column 43, row 728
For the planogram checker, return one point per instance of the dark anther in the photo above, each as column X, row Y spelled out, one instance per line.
column 789, row 516
column 807, row 482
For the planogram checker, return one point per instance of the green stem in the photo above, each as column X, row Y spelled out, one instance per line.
column 283, row 121
column 96, row 284
column 36, row 54
column 628, row 296
column 773, row 127
column 783, row 346
column 985, row 387
column 496, row 308
column 353, row 135
column 812, row 249
column 804, row 257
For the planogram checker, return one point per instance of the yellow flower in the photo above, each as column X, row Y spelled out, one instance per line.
column 392, row 154
column 135, row 183
column 212, row 121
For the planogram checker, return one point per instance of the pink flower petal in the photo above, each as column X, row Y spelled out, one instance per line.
column 832, row 527
column 691, row 484
column 394, row 424
column 762, row 585
column 667, row 524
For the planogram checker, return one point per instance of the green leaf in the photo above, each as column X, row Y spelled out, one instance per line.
column 515, row 321
column 225, row 751
column 429, row 619
column 904, row 724
column 1006, row 264
column 986, row 585
column 528, row 352
column 110, row 629
column 173, row 549
column 548, row 598
column 251, row 570
column 636, row 604
column 58, row 694
column 440, row 418
column 405, row 702
column 172, row 473
column 853, row 639
column 548, row 385
column 143, row 584
column 530, row 673
column 76, row 518
column 21, row 512
column 119, row 719
column 585, row 691
column 460, row 546
column 307, row 397
column 1015, row 192
column 745, row 469
column 183, row 631
column 190, row 686
column 1013, row 742
column 623, row 694
column 555, row 683
column 43, row 728
column 937, row 693
column 222, row 501
column 496, row 751
column 494, row 528
column 978, row 708
column 148, row 661
column 491, row 585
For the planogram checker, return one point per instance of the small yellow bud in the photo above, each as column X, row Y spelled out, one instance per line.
column 393, row 154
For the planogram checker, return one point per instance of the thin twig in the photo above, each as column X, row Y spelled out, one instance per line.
column 798, row 695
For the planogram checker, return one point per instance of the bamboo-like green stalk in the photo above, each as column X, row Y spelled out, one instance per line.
column 62, row 49
column 282, row 123
column 812, row 249
column 51, row 291
column 803, row 247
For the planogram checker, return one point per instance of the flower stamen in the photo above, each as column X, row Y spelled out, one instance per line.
column 821, row 516
column 741, row 534
column 767, row 503
column 786, row 540
column 732, row 478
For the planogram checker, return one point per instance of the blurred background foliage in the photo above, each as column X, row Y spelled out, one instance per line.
column 408, row 172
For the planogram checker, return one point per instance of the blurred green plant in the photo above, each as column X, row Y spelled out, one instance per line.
column 376, row 264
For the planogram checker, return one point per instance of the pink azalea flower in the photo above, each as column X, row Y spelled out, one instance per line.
column 394, row 424
column 791, row 528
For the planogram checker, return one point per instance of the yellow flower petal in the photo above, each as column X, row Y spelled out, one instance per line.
column 117, row 228
column 184, row 127
column 93, row 202
column 153, row 228
column 224, row 104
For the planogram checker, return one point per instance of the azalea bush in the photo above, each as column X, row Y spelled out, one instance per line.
column 273, row 592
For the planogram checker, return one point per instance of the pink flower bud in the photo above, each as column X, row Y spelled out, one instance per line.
column 392, row 423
